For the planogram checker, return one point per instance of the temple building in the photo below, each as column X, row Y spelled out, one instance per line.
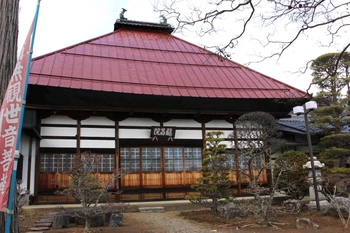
column 143, row 99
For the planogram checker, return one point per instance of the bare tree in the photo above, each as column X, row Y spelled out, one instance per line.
column 275, row 24
column 88, row 190
column 8, row 41
column 293, row 181
column 258, row 139
column 335, row 187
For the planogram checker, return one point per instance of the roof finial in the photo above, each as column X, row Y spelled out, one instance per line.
column 163, row 20
column 121, row 15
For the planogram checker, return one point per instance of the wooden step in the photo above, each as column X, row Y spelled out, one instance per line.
column 36, row 229
column 151, row 209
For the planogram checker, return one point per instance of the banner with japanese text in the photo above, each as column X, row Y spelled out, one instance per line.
column 10, row 120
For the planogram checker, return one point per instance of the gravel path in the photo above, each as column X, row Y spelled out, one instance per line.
column 168, row 222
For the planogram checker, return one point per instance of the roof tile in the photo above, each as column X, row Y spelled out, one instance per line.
column 153, row 63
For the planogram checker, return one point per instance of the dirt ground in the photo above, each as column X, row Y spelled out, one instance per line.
column 204, row 221
column 282, row 222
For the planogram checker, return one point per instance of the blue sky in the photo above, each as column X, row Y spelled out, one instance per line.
column 66, row 22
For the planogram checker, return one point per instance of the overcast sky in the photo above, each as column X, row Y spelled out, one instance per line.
column 63, row 23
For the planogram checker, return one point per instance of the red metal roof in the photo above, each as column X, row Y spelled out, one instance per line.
column 153, row 63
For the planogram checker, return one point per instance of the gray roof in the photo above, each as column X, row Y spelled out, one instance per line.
column 296, row 124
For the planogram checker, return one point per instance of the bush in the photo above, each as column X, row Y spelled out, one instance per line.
column 293, row 180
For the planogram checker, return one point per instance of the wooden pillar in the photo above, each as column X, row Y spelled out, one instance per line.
column 117, row 159
column 203, row 120
column 161, row 124
column 160, row 119
column 78, row 136
column 79, row 116
column 117, row 117
column 204, row 143
column 29, row 165
column 37, row 173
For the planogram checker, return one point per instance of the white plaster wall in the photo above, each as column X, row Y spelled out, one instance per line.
column 26, row 170
column 25, row 151
column 97, row 144
column 134, row 133
column 58, row 131
column 97, row 121
column 97, row 132
column 32, row 167
column 59, row 143
column 57, row 119
column 123, row 133
column 188, row 134
column 219, row 124
column 182, row 123
column 138, row 122
column 146, row 133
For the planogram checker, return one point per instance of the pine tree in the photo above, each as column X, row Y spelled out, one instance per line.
column 214, row 183
column 331, row 74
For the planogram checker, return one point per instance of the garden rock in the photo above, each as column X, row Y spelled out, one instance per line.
column 306, row 223
column 344, row 206
column 116, row 219
column 60, row 221
column 108, row 215
column 229, row 210
column 292, row 206
column 95, row 221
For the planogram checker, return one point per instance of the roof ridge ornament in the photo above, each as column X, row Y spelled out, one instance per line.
column 163, row 20
column 121, row 15
column 123, row 22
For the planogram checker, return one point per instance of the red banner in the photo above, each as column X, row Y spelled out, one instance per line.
column 9, row 121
